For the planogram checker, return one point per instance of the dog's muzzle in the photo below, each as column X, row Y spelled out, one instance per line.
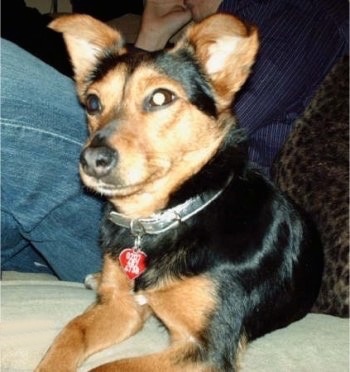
column 98, row 161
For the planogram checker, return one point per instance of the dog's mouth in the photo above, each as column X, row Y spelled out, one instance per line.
column 108, row 189
column 116, row 175
column 118, row 189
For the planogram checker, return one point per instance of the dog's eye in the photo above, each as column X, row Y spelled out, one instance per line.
column 93, row 104
column 159, row 98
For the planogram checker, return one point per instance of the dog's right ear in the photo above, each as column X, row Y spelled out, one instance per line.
column 86, row 39
column 226, row 49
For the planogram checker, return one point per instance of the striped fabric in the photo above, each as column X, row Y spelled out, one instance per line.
column 300, row 42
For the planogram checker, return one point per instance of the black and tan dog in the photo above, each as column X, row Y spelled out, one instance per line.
column 192, row 233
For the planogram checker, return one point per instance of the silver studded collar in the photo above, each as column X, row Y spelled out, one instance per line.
column 170, row 218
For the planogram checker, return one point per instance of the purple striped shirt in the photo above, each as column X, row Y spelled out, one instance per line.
column 300, row 42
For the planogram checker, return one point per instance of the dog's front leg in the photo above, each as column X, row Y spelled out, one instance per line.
column 115, row 317
column 176, row 358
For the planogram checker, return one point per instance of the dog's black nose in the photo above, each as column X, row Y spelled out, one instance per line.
column 98, row 161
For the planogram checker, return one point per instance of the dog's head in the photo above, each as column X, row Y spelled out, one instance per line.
column 155, row 119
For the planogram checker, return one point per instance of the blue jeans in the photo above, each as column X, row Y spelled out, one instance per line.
column 49, row 223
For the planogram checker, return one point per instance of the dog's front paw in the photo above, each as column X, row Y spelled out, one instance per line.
column 92, row 281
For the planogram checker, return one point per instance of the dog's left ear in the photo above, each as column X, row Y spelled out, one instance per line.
column 86, row 38
column 226, row 49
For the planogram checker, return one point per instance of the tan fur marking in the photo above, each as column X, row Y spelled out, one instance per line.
column 110, row 92
column 184, row 306
column 242, row 347
column 165, row 361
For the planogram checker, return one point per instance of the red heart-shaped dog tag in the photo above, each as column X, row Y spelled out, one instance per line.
column 133, row 261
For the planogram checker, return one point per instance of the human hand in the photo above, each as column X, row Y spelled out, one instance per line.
column 161, row 19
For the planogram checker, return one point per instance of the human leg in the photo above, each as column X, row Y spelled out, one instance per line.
column 42, row 131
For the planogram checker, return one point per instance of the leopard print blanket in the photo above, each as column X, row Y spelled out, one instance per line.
column 313, row 169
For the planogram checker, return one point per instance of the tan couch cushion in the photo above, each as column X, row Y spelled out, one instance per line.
column 33, row 312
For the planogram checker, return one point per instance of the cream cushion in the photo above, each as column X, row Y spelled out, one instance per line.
column 34, row 311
